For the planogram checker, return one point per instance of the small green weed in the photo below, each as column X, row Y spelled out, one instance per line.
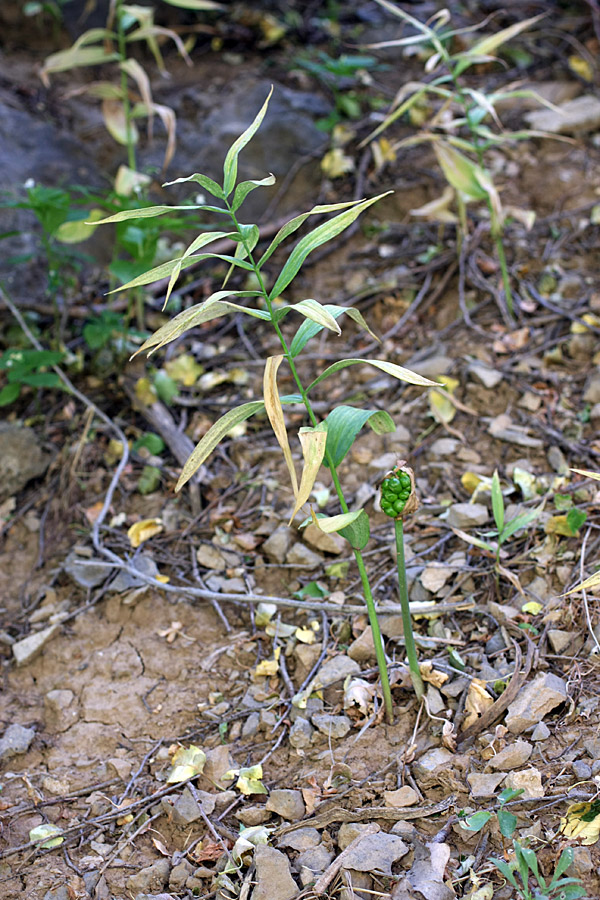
column 524, row 868
column 28, row 368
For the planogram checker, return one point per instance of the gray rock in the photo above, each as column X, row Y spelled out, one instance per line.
column 511, row 757
column 59, row 893
column 85, row 572
column 253, row 815
column 576, row 116
column 484, row 785
column 489, row 378
column 27, row 649
column 337, row 669
column 582, row 770
column 348, row 832
column 251, row 726
column 21, row 458
column 180, row 874
column 301, row 839
column 582, row 863
column 188, row 808
column 504, row 429
column 124, row 581
column 152, row 878
column 592, row 391
column 277, row 546
column 301, row 733
column 560, row 640
column 376, row 853
column 60, row 710
column 432, row 760
column 301, row 555
column 316, row 858
column 273, row 877
column 541, row 732
column 15, row 741
column 467, row 515
column 535, row 700
column 432, row 367
column 444, row 447
column 286, row 803
column 335, row 727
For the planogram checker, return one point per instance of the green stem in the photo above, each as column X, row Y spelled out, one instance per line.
column 505, row 276
column 371, row 608
column 122, row 41
column 409, row 639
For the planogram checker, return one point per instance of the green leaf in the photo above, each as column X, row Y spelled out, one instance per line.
column 230, row 165
column 357, row 533
column 149, row 480
column 211, row 308
column 153, row 443
column 389, row 368
column 329, row 524
column 477, row 821
column 519, row 522
column 507, row 822
column 41, row 379
column 575, row 519
column 144, row 212
column 244, row 188
column 215, row 435
column 167, row 268
column 506, row 870
column 509, row 794
column 166, row 387
column 9, row 394
column 565, row 860
column 344, row 423
column 497, row 501
column 204, row 181
column 309, row 329
column 51, row 833
column 313, row 310
column 320, row 235
column 197, row 244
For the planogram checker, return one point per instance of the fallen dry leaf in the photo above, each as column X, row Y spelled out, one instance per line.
column 478, row 700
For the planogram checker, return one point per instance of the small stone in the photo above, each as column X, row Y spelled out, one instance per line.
column 21, row 458
column 301, row 733
column 268, row 719
column 253, row 815
column 391, row 626
column 26, row 650
column 535, row 700
column 559, row 640
column 489, row 378
column 512, row 757
column 541, row 732
column 582, row 863
column 326, row 543
column 404, row 796
column 432, row 760
column 301, row 555
column 152, row 878
column 273, row 877
column 348, row 832
column 467, row 515
column 484, row 784
column 84, row 572
column 316, row 859
column 286, row 803
column 251, row 726
column 336, row 669
column 335, row 727
column 596, row 767
column 360, row 887
column 433, row 367
column 59, row 893
column 15, row 741
column 300, row 839
column 504, row 429
column 591, row 746
column 60, row 710
column 557, row 460
column 277, row 546
column 444, row 447
column 211, row 558
column 179, row 875
column 435, row 703
column 528, row 780
column 188, row 808
column 363, row 648
column 218, row 762
column 582, row 770
column 375, row 853
column 577, row 116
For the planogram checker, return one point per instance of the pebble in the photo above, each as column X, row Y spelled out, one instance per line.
column 582, row 863
column 528, row 780
column 336, row 669
column 21, row 458
column 273, row 877
column 559, row 640
column 251, row 725
column 188, row 808
column 315, row 858
column 432, row 760
column 582, row 114
column 253, row 815
column 327, row 543
column 467, row 515
column 335, row 727
column 484, row 784
column 301, row 733
column 404, row 796
column 512, row 757
column 218, row 762
column 85, row 572
column 180, row 874
column 15, row 741
column 504, row 429
column 26, row 650
column 300, row 839
column 152, row 878
column 286, row 803
column 277, row 546
column 348, row 832
column 535, row 700
column 541, row 732
column 363, row 648
column 301, row 555
column 444, row 447
column 489, row 378
column 581, row 769
column 60, row 710
column 375, row 853
column 592, row 391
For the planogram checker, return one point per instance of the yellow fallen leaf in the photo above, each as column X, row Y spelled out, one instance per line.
column 581, row 67
column 143, row 531
column 582, row 822
column 589, row 319
column 478, row 700
column 532, row 607
column 470, row 481
column 431, row 675
column 442, row 409
column 186, row 763
column 248, row 779
column 558, row 525
column 184, row 370
column 268, row 667
column 305, row 635
column 336, row 163
column 145, row 392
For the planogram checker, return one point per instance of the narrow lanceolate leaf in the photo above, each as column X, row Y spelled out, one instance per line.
column 294, row 224
column 313, row 442
column 214, row 436
column 308, row 330
column 204, row 181
column 497, row 502
column 389, row 368
column 344, row 423
column 320, row 235
column 165, row 269
column 195, row 4
column 587, row 474
column 243, row 189
column 211, row 308
column 275, row 413
column 313, row 310
column 197, row 244
column 460, row 171
column 490, row 44
column 146, row 212
column 591, row 582
column 330, row 524
column 230, row 166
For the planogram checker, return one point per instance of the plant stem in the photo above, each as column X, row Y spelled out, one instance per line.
column 371, row 608
column 505, row 276
column 409, row 639
column 122, row 41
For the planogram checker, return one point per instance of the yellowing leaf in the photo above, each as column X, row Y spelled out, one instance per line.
column 336, row 163
column 581, row 67
column 591, row 582
column 184, row 370
column 587, row 474
column 442, row 409
column 313, row 443
column 274, row 411
column 589, row 319
column 116, row 123
column 268, row 667
column 128, row 181
column 431, row 675
column 248, row 779
column 532, row 607
column 470, row 481
column 558, row 525
column 80, row 230
column 52, row 833
column 478, row 700
column 186, row 763
column 305, row 635
column 143, row 531
column 460, row 171
column 582, row 822
column 145, row 392
column 264, row 614
column 438, row 210
column 383, row 152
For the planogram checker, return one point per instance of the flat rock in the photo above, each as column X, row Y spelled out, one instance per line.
column 489, row 378
column 559, row 640
column 316, row 859
column 541, row 732
column 15, row 741
column 286, row 803
column 301, row 555
column 21, row 458
column 336, row 669
column 211, row 557
column 444, row 447
column 528, row 780
column 152, row 878
column 335, row 727
column 86, row 573
column 188, row 808
column 60, row 710
column 484, row 785
column 432, row 760
column 511, row 757
column 376, row 853
column 363, row 648
column 27, row 649
column 348, row 832
column 254, row 815
column 273, row 878
column 433, row 366
column 218, row 762
column 467, row 515
column 577, row 116
column 592, row 390
column 277, row 545
column 504, row 429
column 535, row 700
column 404, row 796
column 300, row 839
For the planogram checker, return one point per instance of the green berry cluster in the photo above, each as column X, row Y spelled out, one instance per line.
column 395, row 491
